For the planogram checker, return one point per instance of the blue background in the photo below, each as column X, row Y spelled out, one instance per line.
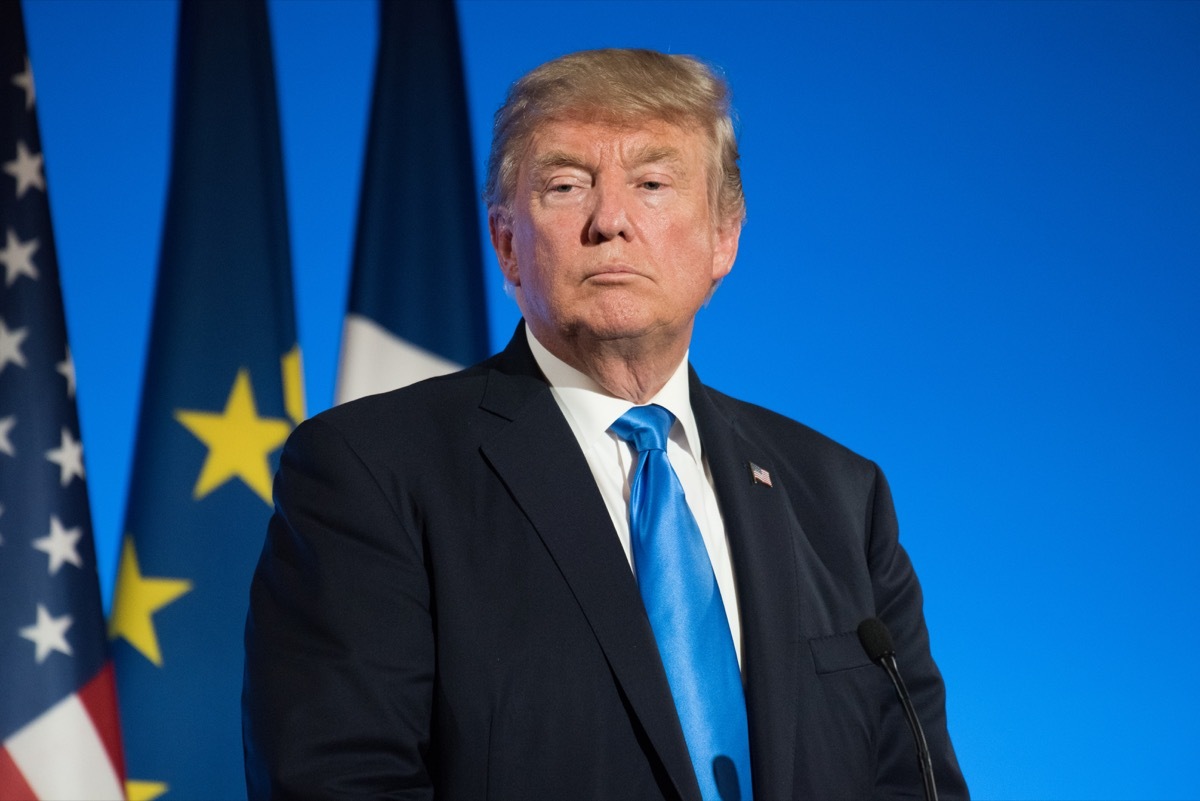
column 972, row 254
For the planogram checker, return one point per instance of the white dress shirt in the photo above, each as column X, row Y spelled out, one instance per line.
column 590, row 411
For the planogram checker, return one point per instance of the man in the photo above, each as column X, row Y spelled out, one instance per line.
column 469, row 585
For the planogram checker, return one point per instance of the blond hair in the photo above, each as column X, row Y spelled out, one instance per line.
column 623, row 87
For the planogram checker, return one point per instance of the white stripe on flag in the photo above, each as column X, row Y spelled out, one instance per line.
column 61, row 756
column 376, row 360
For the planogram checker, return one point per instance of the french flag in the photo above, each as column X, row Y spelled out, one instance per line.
column 417, row 306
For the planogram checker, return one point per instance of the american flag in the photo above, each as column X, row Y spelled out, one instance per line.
column 759, row 475
column 59, row 736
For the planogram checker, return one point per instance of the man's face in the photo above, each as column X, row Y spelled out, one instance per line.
column 610, row 233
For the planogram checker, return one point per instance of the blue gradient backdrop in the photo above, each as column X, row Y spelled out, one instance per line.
column 973, row 254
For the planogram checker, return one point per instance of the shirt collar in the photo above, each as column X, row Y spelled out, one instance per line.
column 591, row 410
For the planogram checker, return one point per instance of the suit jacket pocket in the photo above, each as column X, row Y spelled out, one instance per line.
column 841, row 724
column 837, row 652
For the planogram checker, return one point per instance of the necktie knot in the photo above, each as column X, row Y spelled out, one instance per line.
column 646, row 427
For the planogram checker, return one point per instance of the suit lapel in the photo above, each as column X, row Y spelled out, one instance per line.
column 537, row 457
column 761, row 529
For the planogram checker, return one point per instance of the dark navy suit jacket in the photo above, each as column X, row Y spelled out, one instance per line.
column 442, row 609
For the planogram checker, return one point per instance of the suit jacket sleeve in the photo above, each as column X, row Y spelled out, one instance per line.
column 898, row 602
column 332, row 709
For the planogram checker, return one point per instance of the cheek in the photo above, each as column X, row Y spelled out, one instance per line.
column 526, row 255
column 689, row 247
column 540, row 252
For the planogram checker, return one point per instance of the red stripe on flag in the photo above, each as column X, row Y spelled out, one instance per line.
column 99, row 698
column 12, row 784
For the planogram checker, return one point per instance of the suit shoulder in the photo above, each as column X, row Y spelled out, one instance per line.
column 429, row 405
column 777, row 432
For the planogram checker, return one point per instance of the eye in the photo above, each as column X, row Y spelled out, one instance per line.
column 653, row 186
column 562, row 189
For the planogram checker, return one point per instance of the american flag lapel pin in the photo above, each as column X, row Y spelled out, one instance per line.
column 760, row 475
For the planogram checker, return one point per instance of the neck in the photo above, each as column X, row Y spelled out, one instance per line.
column 634, row 369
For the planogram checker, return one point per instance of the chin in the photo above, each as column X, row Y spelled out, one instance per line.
column 618, row 315
column 610, row 329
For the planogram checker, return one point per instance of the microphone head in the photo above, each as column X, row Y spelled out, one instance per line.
column 875, row 639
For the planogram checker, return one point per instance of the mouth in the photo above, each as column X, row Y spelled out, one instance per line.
column 613, row 273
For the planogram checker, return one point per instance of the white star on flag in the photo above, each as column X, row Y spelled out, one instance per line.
column 27, row 169
column 10, row 345
column 17, row 257
column 48, row 634
column 61, row 545
column 69, row 458
column 25, row 81
column 6, row 427
column 66, row 369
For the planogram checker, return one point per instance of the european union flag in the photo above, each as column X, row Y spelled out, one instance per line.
column 222, row 391
column 59, row 736
column 417, row 306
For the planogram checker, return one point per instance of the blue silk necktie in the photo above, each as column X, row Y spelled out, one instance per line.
column 684, row 605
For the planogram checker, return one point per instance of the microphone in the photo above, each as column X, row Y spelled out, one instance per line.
column 877, row 642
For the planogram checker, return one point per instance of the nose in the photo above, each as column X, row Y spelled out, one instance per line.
column 610, row 214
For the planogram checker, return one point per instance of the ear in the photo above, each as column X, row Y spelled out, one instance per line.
column 500, row 229
column 725, row 248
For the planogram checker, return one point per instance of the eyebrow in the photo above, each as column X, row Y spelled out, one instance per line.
column 653, row 154
column 555, row 159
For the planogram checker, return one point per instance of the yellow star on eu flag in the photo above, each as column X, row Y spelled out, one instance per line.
column 136, row 600
column 144, row 791
column 239, row 442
